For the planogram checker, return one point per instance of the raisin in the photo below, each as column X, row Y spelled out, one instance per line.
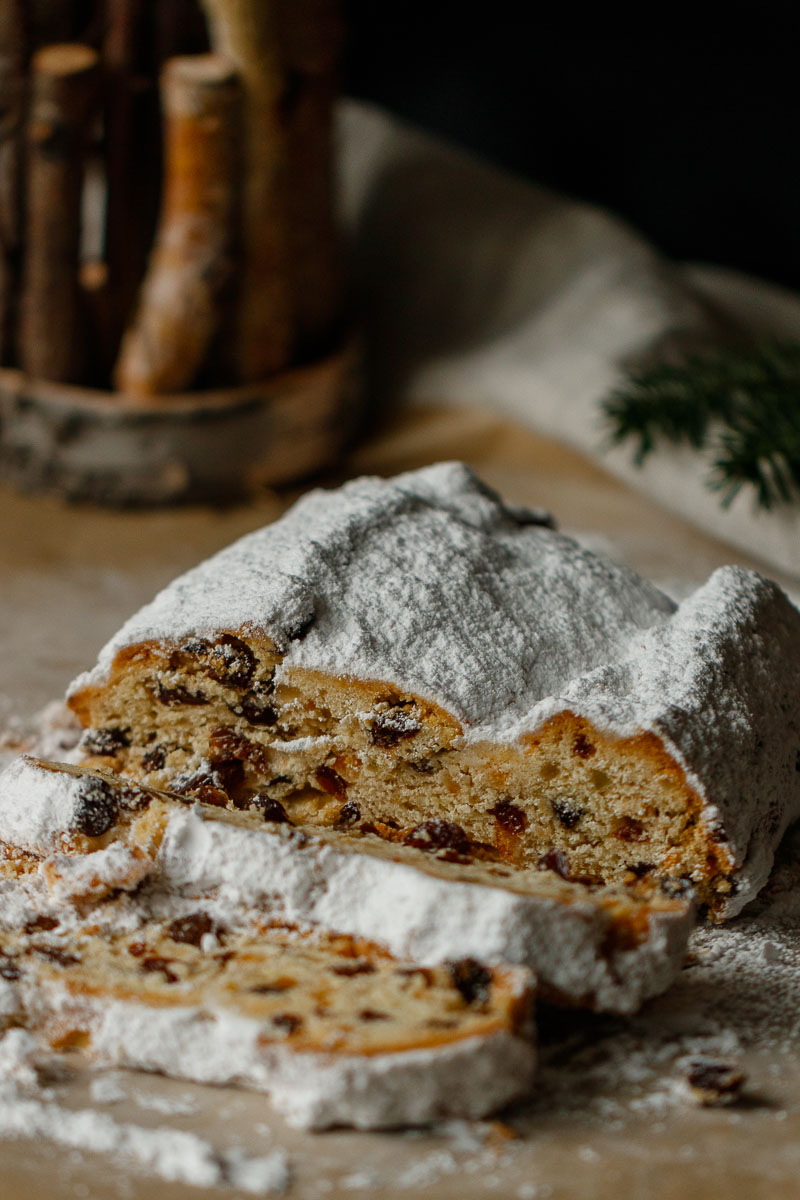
column 56, row 955
column 301, row 627
column 203, row 785
column 423, row 767
column 390, row 728
column 161, row 965
column 274, row 987
column 226, row 745
column 256, row 706
column 41, row 923
column 331, row 781
column 582, row 747
column 556, row 861
column 355, row 968
column 137, row 949
column 568, row 814
column 438, row 835
column 133, row 798
column 154, row 759
column 629, row 830
column 97, row 809
column 471, row 979
column 640, row 869
column 289, row 1022
column 175, row 696
column 714, row 1082
column 191, row 929
column 273, row 810
column 230, row 772
column 368, row 827
column 106, row 742
column 9, row 969
column 509, row 816
column 231, row 662
column 349, row 813
column 370, row 1014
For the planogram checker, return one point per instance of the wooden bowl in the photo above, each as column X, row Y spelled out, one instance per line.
column 118, row 450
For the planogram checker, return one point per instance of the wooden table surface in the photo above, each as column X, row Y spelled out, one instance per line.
column 71, row 575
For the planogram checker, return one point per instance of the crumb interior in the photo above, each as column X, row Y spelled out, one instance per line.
column 220, row 720
column 331, row 994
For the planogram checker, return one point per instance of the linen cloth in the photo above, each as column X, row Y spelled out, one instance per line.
column 478, row 288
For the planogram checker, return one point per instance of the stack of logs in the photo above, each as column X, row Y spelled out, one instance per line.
column 166, row 208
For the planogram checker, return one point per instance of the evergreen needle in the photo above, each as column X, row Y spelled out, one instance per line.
column 742, row 407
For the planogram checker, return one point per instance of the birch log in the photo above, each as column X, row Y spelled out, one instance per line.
column 246, row 32
column 12, row 108
column 182, row 302
column 311, row 38
column 63, row 87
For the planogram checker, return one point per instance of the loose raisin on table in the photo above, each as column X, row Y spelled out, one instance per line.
column 438, row 835
column 509, row 816
column 97, row 808
column 191, row 929
column 566, row 812
column 106, row 742
column 714, row 1083
column 471, row 979
column 331, row 781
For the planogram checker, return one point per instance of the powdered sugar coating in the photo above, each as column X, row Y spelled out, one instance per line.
column 428, row 582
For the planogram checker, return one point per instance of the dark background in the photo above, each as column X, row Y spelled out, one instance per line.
column 692, row 132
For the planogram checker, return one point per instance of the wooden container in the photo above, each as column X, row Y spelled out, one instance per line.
column 217, row 446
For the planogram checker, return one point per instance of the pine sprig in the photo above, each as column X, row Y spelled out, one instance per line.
column 743, row 408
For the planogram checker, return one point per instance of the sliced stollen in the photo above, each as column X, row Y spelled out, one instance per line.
column 405, row 650
column 600, row 948
column 333, row 1031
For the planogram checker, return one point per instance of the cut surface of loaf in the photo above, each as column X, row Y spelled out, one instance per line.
column 334, row 1031
column 413, row 657
column 94, row 833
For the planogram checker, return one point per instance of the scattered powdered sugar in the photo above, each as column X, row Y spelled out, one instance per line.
column 173, row 1155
